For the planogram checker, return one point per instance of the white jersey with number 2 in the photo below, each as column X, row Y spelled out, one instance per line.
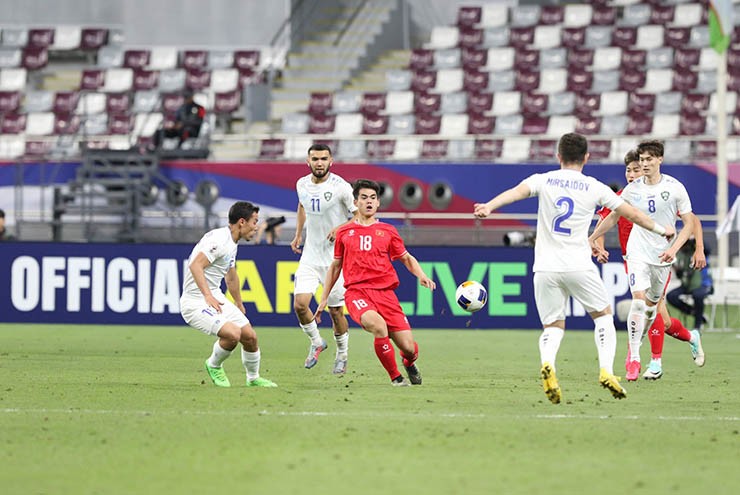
column 567, row 203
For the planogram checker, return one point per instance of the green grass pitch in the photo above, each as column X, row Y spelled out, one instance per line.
column 130, row 410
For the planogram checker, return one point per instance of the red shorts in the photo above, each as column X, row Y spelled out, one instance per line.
column 382, row 301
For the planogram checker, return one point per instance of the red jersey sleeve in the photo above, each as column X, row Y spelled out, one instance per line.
column 397, row 247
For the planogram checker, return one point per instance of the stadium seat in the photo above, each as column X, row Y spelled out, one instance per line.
column 38, row 124
column 372, row 103
column 587, row 103
column 521, row 37
column 12, row 147
column 427, row 124
column 475, row 81
column 579, row 80
column 443, row 37
column 453, row 125
column 91, row 103
column 346, row 102
column 40, row 37
column 10, row 101
column 488, row 38
column 534, row 125
column 649, row 37
column 447, row 81
column 533, row 104
column 639, row 125
column 94, row 125
column 614, row 125
column 375, row 124
column 546, row 37
column 596, row 37
column 487, row 149
column 688, row 14
column 699, row 36
column 194, row 59
column 146, row 124
column 509, row 125
column 172, row 80
column 705, row 150
column 65, row 102
column 640, row 103
column 524, row 15
column 136, row 59
column 677, row 37
column 146, row 102
column 480, row 124
column 110, row 56
column 561, row 104
column 120, row 124
column 599, row 149
column 658, row 80
column 37, row 101
column 118, row 80
column 632, row 81
column 684, row 80
column 399, row 102
column 162, row 57
column 660, row 57
column 468, row 16
column 480, row 103
column 579, row 58
column 473, row 58
column 506, row 103
column 515, row 149
column 494, row 15
column 381, row 149
column 706, row 82
column 573, row 37
column 552, row 14
column 220, row 59
column 731, row 125
column 624, row 36
column 402, row 124
column 13, row 123
column 633, row 59
column 613, row 103
column 224, row 80
column 15, row 37
column 543, row 149
column 577, row 15
column 662, row 14
column 92, row 39
column 117, row 103
column 666, row 125
column 13, row 79
column 525, row 81
column 397, row 80
column 677, row 150
column 10, row 57
column 588, row 125
column 691, row 124
column 551, row 81
column 500, row 58
column 246, row 59
column 423, row 80
column 460, row 149
column 272, row 148
column 351, row 148
column 452, row 103
column 421, row 59
column 320, row 103
column 732, row 103
column 406, row 149
column 553, row 58
column 434, row 149
column 145, row 79
column 34, row 57
column 171, row 102
column 668, row 102
column 319, row 124
column 605, row 80
column 227, row 103
column 37, row 148
column 427, row 103
column 348, row 124
column 449, row 58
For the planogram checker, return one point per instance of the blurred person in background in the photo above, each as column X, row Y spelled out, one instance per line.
column 188, row 122
column 5, row 235
column 696, row 281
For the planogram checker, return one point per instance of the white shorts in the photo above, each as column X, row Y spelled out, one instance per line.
column 309, row 277
column 649, row 278
column 200, row 316
column 552, row 289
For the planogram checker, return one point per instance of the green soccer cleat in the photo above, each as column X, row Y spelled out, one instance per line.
column 611, row 383
column 218, row 376
column 261, row 382
column 550, row 383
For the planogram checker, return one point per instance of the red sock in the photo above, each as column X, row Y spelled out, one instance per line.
column 678, row 331
column 656, row 337
column 408, row 361
column 387, row 356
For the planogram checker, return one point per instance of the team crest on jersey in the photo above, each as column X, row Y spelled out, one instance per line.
column 327, row 195
column 351, row 232
column 665, row 195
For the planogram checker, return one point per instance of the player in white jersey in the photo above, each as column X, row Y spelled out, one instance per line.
column 649, row 256
column 203, row 305
column 562, row 256
column 325, row 202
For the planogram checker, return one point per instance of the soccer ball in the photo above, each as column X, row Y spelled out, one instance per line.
column 471, row 296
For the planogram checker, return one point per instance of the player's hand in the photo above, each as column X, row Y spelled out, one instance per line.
column 698, row 260
column 295, row 244
column 428, row 283
column 670, row 232
column 319, row 309
column 667, row 256
column 602, row 256
column 332, row 235
column 214, row 303
column 481, row 210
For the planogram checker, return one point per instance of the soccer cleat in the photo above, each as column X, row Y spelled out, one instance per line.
column 218, row 376
column 654, row 371
column 400, row 381
column 633, row 370
column 611, row 383
column 261, row 382
column 414, row 374
column 313, row 354
column 340, row 366
column 697, row 351
column 550, row 383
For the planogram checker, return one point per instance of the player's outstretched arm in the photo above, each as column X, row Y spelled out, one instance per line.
column 636, row 216
column 699, row 259
column 300, row 221
column 234, row 288
column 332, row 275
column 413, row 266
column 689, row 225
column 521, row 191
column 197, row 268
column 598, row 249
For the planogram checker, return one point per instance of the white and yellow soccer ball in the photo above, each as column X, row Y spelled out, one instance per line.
column 471, row 296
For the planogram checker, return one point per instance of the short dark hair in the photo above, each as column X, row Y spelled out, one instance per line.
column 364, row 184
column 2, row 213
column 631, row 156
column 242, row 209
column 319, row 147
column 653, row 147
column 572, row 148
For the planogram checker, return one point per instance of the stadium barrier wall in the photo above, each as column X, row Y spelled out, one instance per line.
column 141, row 284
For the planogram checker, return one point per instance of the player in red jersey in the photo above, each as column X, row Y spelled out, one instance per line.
column 663, row 322
column 363, row 252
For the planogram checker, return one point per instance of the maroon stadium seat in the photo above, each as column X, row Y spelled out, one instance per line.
column 246, row 59
column 428, row 124
column 136, row 59
column 427, row 103
column 488, row 149
column 588, row 125
column 599, row 149
column 662, row 14
column 474, row 58
column 421, row 59
column 145, row 79
column 381, row 149
column 480, row 124
column 527, row 80
column 692, row 124
column 13, row 123
column 272, row 148
column 372, row 103
column 65, row 102
column 92, row 79
column 624, row 36
column 631, row 80
column 521, row 37
column 640, row 103
column 579, row 80
column 93, row 38
column 249, row 76
column 375, row 124
column 534, row 104
column 468, row 16
column 171, row 102
column 9, row 101
column 120, row 124
column 684, row 80
column 321, row 124
column 573, row 37
column 543, row 149
column 552, row 14
column 479, row 103
column 197, row 79
column 633, row 59
column 578, row 58
column 117, row 103
column 686, row 58
column 194, row 59
column 733, row 57
column 35, row 148
column 434, row 148
column 676, row 37
column 66, row 124
column 587, row 104
column 705, row 150
column 320, row 103
column 227, row 103
column 40, row 37
column 526, row 59
column 470, row 37
column 423, row 80
column 475, row 81
column 694, row 103
column 34, row 57
column 535, row 125
column 639, row 125
column 603, row 15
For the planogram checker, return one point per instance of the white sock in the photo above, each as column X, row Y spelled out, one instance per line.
column 636, row 327
column 550, row 344
column 313, row 332
column 251, row 362
column 650, row 313
column 342, row 345
column 605, row 336
column 218, row 356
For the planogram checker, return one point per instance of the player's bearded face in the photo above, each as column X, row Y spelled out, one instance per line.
column 320, row 163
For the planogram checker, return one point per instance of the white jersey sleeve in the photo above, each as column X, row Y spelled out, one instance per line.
column 662, row 202
column 220, row 249
column 567, row 203
column 327, row 205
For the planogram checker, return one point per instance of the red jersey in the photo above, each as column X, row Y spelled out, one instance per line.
column 366, row 252
column 624, row 226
